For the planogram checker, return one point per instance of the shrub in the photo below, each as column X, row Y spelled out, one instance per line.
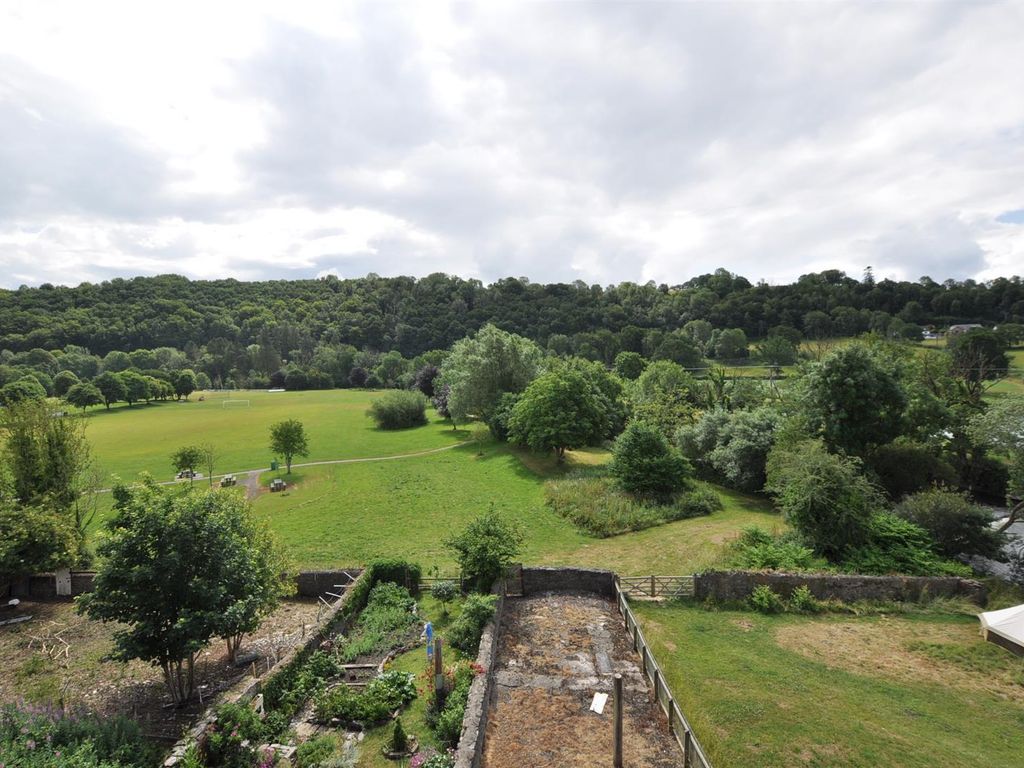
column 760, row 550
column 400, row 409
column 898, row 546
column 485, row 549
column 439, row 760
column 698, row 502
column 398, row 742
column 312, row 753
column 802, row 601
column 466, row 630
column 447, row 723
column 444, row 592
column 731, row 447
column 955, row 525
column 230, row 740
column 646, row 466
column 394, row 688
column 903, row 468
column 766, row 600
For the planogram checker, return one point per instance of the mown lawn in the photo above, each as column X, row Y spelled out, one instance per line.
column 350, row 514
column 906, row 691
column 127, row 441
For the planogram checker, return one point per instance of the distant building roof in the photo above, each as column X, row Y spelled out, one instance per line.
column 963, row 327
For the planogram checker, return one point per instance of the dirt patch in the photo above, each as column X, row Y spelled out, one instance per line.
column 555, row 653
column 744, row 624
column 892, row 648
column 75, row 666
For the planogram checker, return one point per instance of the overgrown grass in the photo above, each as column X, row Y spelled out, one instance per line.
column 127, row 441
column 866, row 693
column 594, row 504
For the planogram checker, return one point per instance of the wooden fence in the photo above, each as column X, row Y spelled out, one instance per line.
column 657, row 586
column 693, row 754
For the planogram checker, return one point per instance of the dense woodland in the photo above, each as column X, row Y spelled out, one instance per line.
column 412, row 316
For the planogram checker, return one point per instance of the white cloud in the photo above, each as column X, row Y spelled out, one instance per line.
column 594, row 141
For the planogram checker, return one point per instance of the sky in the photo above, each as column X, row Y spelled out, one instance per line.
column 559, row 141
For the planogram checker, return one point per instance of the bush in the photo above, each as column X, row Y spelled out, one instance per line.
column 766, row 600
column 955, row 525
column 802, row 601
column 385, row 693
column 312, row 753
column 904, row 468
column 466, row 630
column 400, row 409
column 498, row 422
column 759, row 550
column 485, row 549
column 731, row 447
column 231, row 739
column 598, row 507
column 646, row 466
column 398, row 742
column 447, row 723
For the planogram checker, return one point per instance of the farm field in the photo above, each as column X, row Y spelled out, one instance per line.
column 895, row 691
column 127, row 441
column 350, row 514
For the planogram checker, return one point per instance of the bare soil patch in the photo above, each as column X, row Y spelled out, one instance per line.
column 555, row 653
column 893, row 648
column 76, row 668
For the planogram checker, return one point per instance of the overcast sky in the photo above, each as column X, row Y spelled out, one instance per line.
column 559, row 141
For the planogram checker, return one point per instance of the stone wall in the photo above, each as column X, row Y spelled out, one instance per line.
column 321, row 583
column 737, row 585
column 43, row 586
column 536, row 580
column 474, row 721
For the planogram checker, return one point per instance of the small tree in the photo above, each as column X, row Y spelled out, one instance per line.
column 34, row 539
column 83, row 395
column 288, row 438
column 209, row 459
column 64, row 381
column 357, row 377
column 186, row 459
column 425, row 377
column 558, row 411
column 645, row 465
column 444, row 592
column 177, row 571
column 1000, row 427
column 485, row 549
column 823, row 495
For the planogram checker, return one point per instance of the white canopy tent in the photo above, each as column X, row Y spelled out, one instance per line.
column 1005, row 628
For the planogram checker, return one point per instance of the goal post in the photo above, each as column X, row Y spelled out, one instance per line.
column 235, row 404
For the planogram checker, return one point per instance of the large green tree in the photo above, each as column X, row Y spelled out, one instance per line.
column 854, row 400
column 557, row 412
column 484, row 366
column 111, row 387
column 177, row 570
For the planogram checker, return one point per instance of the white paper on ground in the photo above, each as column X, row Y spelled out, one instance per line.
column 597, row 705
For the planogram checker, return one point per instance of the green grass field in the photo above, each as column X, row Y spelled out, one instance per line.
column 127, row 441
column 349, row 514
column 912, row 691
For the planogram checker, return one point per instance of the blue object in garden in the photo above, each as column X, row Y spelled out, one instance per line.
column 429, row 630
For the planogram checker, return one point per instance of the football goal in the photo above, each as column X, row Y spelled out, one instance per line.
column 235, row 404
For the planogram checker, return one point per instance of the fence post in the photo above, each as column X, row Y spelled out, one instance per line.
column 687, row 738
column 652, row 585
column 617, row 688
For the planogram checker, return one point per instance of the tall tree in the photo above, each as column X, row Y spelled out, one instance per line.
column 557, row 412
column 111, row 387
column 482, row 367
column 854, row 400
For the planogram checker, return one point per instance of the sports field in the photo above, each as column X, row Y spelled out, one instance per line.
column 128, row 440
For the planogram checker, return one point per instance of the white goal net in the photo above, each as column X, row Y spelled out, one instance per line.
column 235, row 404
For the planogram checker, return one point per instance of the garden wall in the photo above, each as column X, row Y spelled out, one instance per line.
column 43, row 586
column 536, row 580
column 738, row 585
